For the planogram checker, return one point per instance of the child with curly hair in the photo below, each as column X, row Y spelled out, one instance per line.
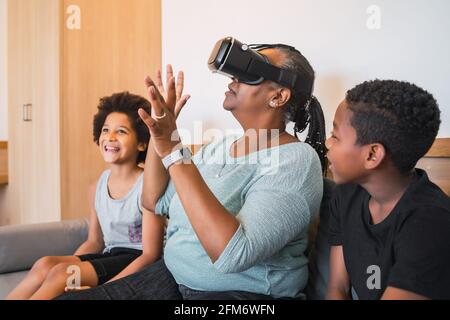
column 123, row 238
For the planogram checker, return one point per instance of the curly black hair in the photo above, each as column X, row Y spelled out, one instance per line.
column 129, row 104
column 401, row 116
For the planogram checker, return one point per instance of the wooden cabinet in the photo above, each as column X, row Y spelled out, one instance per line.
column 62, row 57
column 33, row 146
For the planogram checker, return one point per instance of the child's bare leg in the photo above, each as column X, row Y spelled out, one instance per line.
column 56, row 280
column 34, row 279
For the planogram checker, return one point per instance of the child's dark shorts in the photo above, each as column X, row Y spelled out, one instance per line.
column 109, row 264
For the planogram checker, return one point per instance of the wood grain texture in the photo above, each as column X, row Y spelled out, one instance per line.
column 440, row 148
column 437, row 164
column 119, row 43
column 32, row 193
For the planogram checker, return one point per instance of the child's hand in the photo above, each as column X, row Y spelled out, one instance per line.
column 73, row 289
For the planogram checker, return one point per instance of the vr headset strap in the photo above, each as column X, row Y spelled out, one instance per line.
column 281, row 76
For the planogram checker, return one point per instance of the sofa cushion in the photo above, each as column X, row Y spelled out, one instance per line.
column 22, row 245
column 8, row 281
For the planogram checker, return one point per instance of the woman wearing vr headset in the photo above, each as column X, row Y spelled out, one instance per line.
column 236, row 230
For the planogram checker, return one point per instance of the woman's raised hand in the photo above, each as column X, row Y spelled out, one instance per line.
column 175, row 100
column 166, row 106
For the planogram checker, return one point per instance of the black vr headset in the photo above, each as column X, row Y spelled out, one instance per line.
column 245, row 64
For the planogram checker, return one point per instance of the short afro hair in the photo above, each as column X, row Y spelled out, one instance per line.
column 401, row 116
column 129, row 104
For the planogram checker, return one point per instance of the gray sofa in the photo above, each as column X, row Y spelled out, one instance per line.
column 22, row 245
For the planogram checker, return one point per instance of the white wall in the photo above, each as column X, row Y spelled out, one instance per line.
column 412, row 44
column 3, row 74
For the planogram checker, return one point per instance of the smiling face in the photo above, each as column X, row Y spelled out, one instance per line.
column 118, row 140
column 346, row 157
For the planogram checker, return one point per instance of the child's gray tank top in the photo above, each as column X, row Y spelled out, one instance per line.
column 120, row 219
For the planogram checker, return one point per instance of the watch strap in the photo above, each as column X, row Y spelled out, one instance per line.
column 175, row 156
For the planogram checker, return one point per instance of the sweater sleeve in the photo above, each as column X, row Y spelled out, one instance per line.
column 277, row 209
column 163, row 204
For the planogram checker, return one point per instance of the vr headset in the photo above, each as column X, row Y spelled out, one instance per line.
column 244, row 63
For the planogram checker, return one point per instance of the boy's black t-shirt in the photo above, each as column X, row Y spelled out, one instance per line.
column 409, row 249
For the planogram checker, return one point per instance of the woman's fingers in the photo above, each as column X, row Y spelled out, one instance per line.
column 181, row 103
column 150, row 83
column 171, row 94
column 156, row 102
column 180, row 85
column 159, row 83
column 149, row 121
column 169, row 74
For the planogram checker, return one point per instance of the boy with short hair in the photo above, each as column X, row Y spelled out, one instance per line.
column 389, row 226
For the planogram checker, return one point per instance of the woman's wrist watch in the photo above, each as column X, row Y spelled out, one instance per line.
column 183, row 153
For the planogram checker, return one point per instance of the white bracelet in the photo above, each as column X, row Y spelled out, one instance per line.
column 177, row 155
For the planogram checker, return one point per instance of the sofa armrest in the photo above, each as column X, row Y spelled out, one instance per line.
column 22, row 245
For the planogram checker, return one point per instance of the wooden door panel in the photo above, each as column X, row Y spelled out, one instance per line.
column 119, row 42
column 32, row 193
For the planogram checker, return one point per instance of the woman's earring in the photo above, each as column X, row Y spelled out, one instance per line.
column 272, row 104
